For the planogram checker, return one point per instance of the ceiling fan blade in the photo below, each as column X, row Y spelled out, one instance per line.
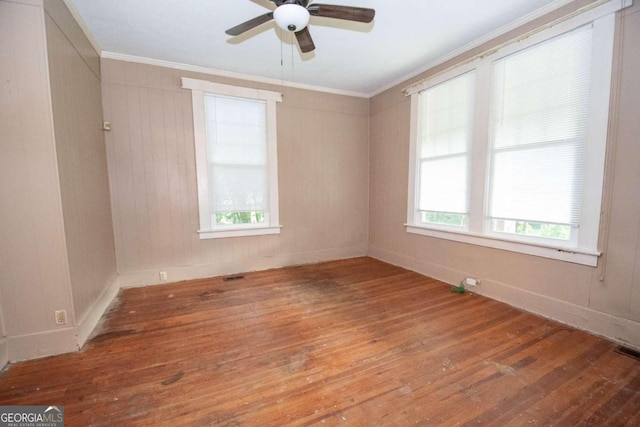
column 358, row 14
column 252, row 23
column 305, row 41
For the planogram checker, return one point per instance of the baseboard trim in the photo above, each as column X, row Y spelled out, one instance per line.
column 176, row 274
column 42, row 344
column 90, row 320
column 618, row 329
column 4, row 353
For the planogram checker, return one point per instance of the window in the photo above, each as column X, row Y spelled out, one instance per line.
column 539, row 134
column 236, row 159
column 507, row 150
column 443, row 152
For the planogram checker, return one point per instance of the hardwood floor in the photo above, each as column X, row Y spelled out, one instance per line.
column 353, row 342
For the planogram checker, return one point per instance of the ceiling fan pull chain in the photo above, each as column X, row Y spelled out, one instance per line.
column 292, row 50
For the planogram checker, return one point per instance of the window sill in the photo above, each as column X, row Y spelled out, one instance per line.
column 239, row 232
column 576, row 256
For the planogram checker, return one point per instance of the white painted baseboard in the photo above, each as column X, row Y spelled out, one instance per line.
column 618, row 329
column 58, row 341
column 176, row 274
column 4, row 353
column 42, row 344
column 90, row 320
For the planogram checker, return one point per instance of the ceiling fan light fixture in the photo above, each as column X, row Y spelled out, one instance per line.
column 291, row 17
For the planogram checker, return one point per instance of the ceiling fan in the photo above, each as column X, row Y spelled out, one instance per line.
column 293, row 15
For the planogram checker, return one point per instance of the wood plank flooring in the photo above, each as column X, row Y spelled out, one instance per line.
column 355, row 342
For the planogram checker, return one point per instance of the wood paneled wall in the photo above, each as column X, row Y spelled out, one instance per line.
column 57, row 249
column 34, row 273
column 323, row 179
column 82, row 161
column 571, row 293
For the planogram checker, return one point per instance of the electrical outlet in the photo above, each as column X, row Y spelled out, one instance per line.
column 61, row 317
column 471, row 282
column 163, row 275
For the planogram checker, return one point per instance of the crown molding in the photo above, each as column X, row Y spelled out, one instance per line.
column 83, row 25
column 229, row 74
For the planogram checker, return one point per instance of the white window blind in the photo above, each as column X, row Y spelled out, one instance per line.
column 444, row 135
column 540, row 110
column 236, row 133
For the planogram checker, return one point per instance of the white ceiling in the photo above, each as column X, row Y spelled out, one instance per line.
column 406, row 36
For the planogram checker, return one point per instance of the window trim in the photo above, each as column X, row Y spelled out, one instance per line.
column 198, row 89
column 602, row 18
column 573, row 255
